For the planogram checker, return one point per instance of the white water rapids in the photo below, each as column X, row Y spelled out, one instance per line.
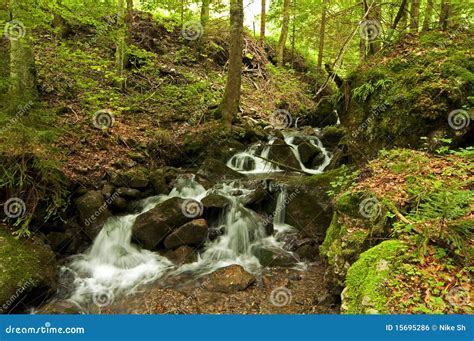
column 114, row 266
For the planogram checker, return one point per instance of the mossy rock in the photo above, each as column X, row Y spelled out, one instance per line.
column 365, row 291
column 27, row 268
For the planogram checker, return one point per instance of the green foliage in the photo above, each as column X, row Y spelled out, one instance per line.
column 363, row 92
column 343, row 182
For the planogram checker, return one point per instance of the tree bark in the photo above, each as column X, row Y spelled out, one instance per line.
column 375, row 44
column 231, row 101
column 428, row 15
column 120, row 53
column 23, row 80
column 414, row 15
column 322, row 31
column 445, row 14
column 284, row 33
column 263, row 20
column 400, row 14
column 205, row 12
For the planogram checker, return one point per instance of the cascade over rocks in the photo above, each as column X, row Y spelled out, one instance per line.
column 213, row 171
column 93, row 212
column 151, row 227
column 281, row 153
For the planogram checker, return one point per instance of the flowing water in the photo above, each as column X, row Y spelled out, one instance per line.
column 114, row 266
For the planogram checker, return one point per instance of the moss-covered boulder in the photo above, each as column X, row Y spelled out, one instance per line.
column 93, row 212
column 27, row 270
column 366, row 283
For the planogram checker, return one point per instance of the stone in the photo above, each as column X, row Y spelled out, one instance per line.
column 331, row 136
column 159, row 183
column 138, row 181
column 282, row 154
column 229, row 279
column 216, row 171
column 193, row 233
column 60, row 307
column 93, row 212
column 129, row 193
column 27, row 270
column 308, row 152
column 119, row 204
column 152, row 227
column 215, row 200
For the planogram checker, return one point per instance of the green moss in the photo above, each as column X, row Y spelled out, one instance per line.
column 366, row 279
column 24, row 265
column 348, row 203
column 332, row 234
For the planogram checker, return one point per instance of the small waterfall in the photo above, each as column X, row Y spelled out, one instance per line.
column 253, row 160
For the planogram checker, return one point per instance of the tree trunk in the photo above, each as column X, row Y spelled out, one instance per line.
column 362, row 45
column 120, row 53
column 23, row 81
column 414, row 15
column 375, row 44
column 401, row 14
column 231, row 101
column 428, row 15
column 284, row 33
column 445, row 14
column 263, row 20
column 322, row 30
column 205, row 12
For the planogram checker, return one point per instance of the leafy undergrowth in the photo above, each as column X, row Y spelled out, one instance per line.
column 172, row 89
column 422, row 200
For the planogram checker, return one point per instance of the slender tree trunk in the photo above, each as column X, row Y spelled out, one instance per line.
column 231, row 101
column 414, row 15
column 205, row 12
column 23, row 81
column 293, row 34
column 362, row 45
column 322, row 31
column 445, row 14
column 284, row 33
column 401, row 14
column 120, row 53
column 375, row 44
column 428, row 15
column 263, row 20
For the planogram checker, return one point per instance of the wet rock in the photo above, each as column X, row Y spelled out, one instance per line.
column 215, row 200
column 308, row 251
column 193, row 233
column 93, row 212
column 159, row 183
column 107, row 190
column 308, row 152
column 119, row 179
column 256, row 196
column 129, row 193
column 229, row 279
column 324, row 115
column 66, row 243
column 331, row 136
column 60, row 307
column 150, row 228
column 216, row 171
column 138, row 181
column 27, row 270
column 182, row 255
column 282, row 154
column 119, row 204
